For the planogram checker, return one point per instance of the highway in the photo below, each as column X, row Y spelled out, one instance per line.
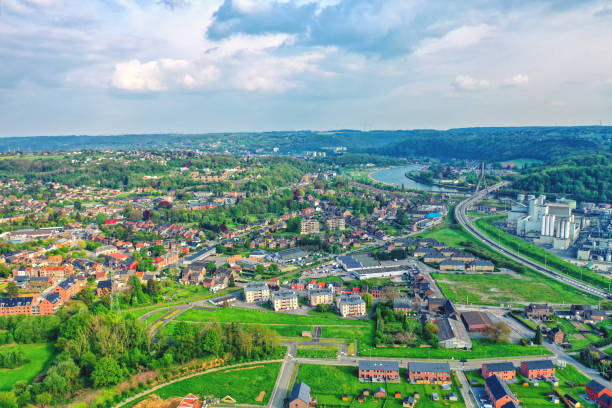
column 463, row 219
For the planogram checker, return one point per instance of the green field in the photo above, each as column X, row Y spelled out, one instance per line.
column 450, row 236
column 496, row 288
column 243, row 315
column 329, row 383
column 243, row 384
column 39, row 355
column 317, row 352
column 535, row 397
column 482, row 348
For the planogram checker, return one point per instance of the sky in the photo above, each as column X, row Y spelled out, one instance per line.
column 187, row 66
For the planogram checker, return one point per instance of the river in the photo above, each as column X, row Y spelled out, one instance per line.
column 397, row 176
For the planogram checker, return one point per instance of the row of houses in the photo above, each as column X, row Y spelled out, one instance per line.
column 42, row 304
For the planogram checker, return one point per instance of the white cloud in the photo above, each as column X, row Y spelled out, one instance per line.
column 468, row 84
column 518, row 79
column 163, row 75
column 461, row 37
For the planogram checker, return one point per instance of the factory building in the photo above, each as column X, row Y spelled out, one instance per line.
column 547, row 223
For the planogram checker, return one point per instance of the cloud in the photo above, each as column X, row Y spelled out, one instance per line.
column 458, row 38
column 175, row 4
column 518, row 79
column 464, row 83
column 242, row 63
column 155, row 76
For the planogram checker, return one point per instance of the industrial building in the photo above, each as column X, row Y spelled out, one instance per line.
column 547, row 223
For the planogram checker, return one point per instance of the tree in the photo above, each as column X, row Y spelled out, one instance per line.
column 538, row 336
column 107, row 372
column 106, row 300
column 86, row 296
column 232, row 281
column 12, row 289
column 430, row 329
column 8, row 400
column 259, row 269
column 368, row 299
column 211, row 267
column 389, row 293
column 153, row 287
column 44, row 399
column 499, row 332
column 212, row 342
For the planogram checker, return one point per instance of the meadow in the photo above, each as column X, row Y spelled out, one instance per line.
column 244, row 384
column 38, row 355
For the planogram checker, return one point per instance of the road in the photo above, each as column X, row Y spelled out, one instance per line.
column 465, row 222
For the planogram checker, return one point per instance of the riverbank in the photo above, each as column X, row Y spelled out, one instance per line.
column 396, row 176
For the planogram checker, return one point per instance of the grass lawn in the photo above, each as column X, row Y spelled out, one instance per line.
column 39, row 355
column 244, row 384
column 243, row 315
column 328, row 383
column 482, row 348
column 450, row 236
column 535, row 397
column 496, row 288
column 317, row 352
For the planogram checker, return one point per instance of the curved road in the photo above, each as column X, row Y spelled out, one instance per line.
column 465, row 222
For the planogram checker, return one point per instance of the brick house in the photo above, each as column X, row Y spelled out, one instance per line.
column 556, row 336
column 538, row 311
column 505, row 371
column 538, row 369
column 429, row 373
column 499, row 393
column 104, row 287
column 599, row 393
column 300, row 396
column 67, row 288
column 378, row 371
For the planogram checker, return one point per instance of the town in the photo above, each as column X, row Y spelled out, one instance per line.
column 347, row 278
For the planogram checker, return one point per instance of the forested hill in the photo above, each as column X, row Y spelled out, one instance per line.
column 543, row 143
column 587, row 178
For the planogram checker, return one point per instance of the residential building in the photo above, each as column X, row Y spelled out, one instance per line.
column 284, row 300
column 505, row 371
column 452, row 334
column 538, row 369
column 309, row 225
column 452, row 265
column 402, row 304
column 335, row 223
column 68, row 288
column 599, row 393
column 429, row 373
column 538, row 311
column 256, row 292
column 499, row 393
column 321, row 296
column 556, row 336
column 351, row 306
column 378, row 371
column 476, row 322
column 17, row 305
column 105, row 287
column 481, row 265
column 300, row 396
